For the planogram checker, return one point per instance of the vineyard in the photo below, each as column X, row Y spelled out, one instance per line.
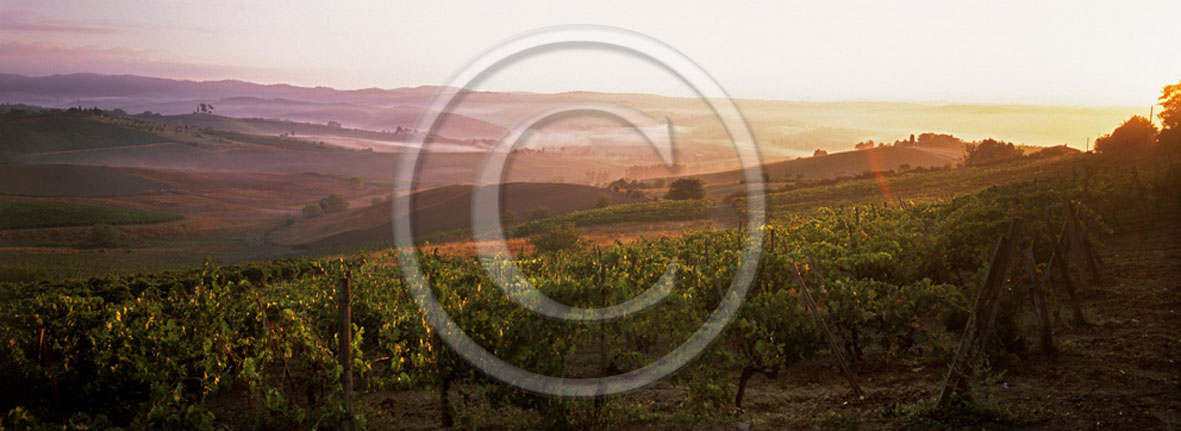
column 53, row 214
column 254, row 346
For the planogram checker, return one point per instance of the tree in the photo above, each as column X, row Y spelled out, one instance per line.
column 991, row 151
column 1170, row 117
column 938, row 140
column 509, row 217
column 624, row 185
column 356, row 184
column 562, row 237
column 104, row 236
column 864, row 145
column 604, row 201
column 1135, row 136
column 597, row 177
column 334, row 203
column 312, row 210
column 819, row 152
column 685, row 189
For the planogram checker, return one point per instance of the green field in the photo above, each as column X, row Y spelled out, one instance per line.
column 24, row 266
column 643, row 211
column 916, row 186
column 16, row 215
column 67, row 131
column 72, row 180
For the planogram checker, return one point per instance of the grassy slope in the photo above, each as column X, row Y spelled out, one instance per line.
column 72, row 180
column 91, row 263
column 15, row 215
column 913, row 186
column 847, row 162
column 66, row 131
column 442, row 210
column 637, row 212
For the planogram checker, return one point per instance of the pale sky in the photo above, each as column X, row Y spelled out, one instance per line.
column 1028, row 52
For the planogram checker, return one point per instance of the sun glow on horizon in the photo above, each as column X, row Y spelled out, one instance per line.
column 1046, row 53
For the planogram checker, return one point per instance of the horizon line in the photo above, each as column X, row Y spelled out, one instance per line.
column 929, row 102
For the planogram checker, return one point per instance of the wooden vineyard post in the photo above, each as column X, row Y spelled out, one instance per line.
column 1060, row 261
column 1086, row 181
column 600, row 400
column 345, row 349
column 979, row 327
column 832, row 342
column 1090, row 250
column 1077, row 240
column 1045, row 332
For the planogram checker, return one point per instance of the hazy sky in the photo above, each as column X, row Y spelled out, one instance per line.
column 1051, row 52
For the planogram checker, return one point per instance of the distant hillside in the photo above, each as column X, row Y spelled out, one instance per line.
column 71, row 180
column 848, row 163
column 438, row 210
column 60, row 88
column 786, row 128
column 66, row 131
column 373, row 109
column 48, row 131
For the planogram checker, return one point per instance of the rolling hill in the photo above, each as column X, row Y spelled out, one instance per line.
column 848, row 163
column 67, row 131
column 786, row 128
column 437, row 210
column 73, row 180
column 374, row 109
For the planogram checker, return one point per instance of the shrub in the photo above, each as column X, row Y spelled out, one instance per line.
column 538, row 213
column 509, row 217
column 685, row 189
column 356, row 184
column 104, row 236
column 334, row 203
column 604, row 201
column 562, row 237
column 312, row 210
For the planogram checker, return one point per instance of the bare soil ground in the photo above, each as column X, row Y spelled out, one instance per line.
column 226, row 215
